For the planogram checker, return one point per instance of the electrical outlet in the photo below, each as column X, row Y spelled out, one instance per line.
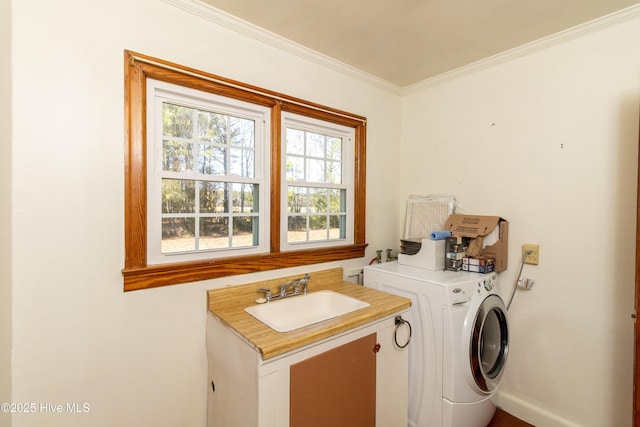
column 533, row 257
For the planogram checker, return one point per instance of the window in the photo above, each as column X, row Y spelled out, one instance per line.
column 207, row 171
column 224, row 178
column 318, row 170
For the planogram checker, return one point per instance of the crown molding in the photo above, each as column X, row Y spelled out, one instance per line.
column 250, row 30
column 594, row 26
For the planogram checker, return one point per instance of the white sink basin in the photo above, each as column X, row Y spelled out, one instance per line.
column 302, row 310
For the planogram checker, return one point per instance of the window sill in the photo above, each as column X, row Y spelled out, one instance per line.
column 173, row 274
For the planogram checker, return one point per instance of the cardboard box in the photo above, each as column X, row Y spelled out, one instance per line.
column 483, row 261
column 477, row 268
column 480, row 228
column 478, row 265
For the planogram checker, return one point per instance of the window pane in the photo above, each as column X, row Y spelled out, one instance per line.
column 212, row 160
column 178, row 196
column 242, row 163
column 334, row 173
column 296, row 229
column 242, row 132
column 214, row 233
column 297, row 200
column 334, row 148
column 212, row 127
column 245, row 231
column 318, row 227
column 245, row 198
column 337, row 226
column 315, row 145
column 318, row 200
column 213, row 197
column 178, row 235
column 177, row 156
column 295, row 141
column 295, row 168
column 315, row 170
column 337, row 200
column 177, row 121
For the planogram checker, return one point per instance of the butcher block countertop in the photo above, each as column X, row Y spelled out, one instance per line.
column 228, row 305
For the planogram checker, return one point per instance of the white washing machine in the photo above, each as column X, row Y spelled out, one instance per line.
column 459, row 345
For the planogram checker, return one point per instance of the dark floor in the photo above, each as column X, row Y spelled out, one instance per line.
column 503, row 419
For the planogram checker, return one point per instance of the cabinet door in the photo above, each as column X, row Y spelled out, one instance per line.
column 336, row 388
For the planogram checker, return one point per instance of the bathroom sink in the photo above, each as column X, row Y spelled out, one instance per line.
column 303, row 310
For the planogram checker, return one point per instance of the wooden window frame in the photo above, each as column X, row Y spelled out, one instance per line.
column 137, row 273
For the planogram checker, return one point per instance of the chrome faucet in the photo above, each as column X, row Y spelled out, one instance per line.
column 292, row 288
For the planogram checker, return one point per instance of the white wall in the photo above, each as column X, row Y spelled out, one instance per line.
column 5, row 207
column 137, row 359
column 549, row 141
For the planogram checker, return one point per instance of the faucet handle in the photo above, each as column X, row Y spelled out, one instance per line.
column 282, row 288
column 267, row 293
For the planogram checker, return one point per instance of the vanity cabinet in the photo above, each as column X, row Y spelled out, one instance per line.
column 355, row 378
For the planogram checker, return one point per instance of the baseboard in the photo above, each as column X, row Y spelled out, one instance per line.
column 528, row 411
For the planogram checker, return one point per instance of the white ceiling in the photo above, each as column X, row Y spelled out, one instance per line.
column 407, row 41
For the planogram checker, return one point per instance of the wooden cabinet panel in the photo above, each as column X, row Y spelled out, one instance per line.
column 336, row 388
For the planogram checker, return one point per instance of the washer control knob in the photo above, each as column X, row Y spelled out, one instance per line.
column 488, row 285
